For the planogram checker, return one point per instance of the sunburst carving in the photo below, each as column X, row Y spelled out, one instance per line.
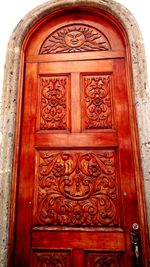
column 75, row 38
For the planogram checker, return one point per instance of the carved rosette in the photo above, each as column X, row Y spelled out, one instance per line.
column 75, row 38
column 100, row 260
column 53, row 259
column 97, row 102
column 53, row 113
column 77, row 189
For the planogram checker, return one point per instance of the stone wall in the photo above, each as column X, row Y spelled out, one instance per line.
column 10, row 86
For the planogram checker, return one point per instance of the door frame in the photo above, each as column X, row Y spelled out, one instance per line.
column 14, row 81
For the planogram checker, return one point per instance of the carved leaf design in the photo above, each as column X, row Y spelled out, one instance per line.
column 53, row 103
column 53, row 259
column 101, row 260
column 97, row 102
column 75, row 38
column 77, row 188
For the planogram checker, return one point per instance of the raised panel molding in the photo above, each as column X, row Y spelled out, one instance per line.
column 75, row 38
column 53, row 106
column 77, row 188
column 97, row 106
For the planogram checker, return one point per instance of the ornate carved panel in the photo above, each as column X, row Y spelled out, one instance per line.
column 101, row 260
column 53, row 259
column 53, row 107
column 77, row 188
column 97, row 106
column 75, row 38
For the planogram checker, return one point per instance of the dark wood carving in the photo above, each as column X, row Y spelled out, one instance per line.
column 103, row 260
column 75, row 38
column 77, row 189
column 53, row 103
column 97, row 102
column 53, row 259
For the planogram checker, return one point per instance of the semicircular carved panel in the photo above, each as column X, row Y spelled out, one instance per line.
column 75, row 38
column 77, row 188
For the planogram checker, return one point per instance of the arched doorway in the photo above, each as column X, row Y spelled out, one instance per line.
column 74, row 204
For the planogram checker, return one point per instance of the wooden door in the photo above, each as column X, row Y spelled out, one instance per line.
column 76, row 198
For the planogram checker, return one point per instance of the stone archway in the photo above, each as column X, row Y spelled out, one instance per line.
column 11, row 84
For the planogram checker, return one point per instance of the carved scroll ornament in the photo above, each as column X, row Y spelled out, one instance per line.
column 53, row 115
column 77, row 189
column 100, row 260
column 53, row 259
column 75, row 38
column 97, row 102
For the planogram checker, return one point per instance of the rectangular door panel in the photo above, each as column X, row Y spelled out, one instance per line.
column 99, row 240
column 110, row 259
column 54, row 103
column 98, row 139
column 96, row 101
column 61, row 258
column 76, row 66
column 77, row 188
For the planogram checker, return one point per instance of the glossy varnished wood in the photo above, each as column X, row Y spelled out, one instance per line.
column 76, row 140
column 96, row 241
column 80, row 56
column 75, row 168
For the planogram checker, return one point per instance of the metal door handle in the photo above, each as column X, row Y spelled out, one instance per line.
column 135, row 241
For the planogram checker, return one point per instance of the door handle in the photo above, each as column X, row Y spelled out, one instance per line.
column 135, row 241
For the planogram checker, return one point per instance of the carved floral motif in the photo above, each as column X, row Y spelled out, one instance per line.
column 75, row 38
column 99, row 260
column 53, row 259
column 97, row 102
column 53, row 103
column 77, row 188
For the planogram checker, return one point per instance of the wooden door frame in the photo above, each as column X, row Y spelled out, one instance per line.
column 16, row 69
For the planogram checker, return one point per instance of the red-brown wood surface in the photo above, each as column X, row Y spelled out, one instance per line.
column 76, row 194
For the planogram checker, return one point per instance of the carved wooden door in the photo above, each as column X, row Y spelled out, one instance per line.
column 76, row 200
